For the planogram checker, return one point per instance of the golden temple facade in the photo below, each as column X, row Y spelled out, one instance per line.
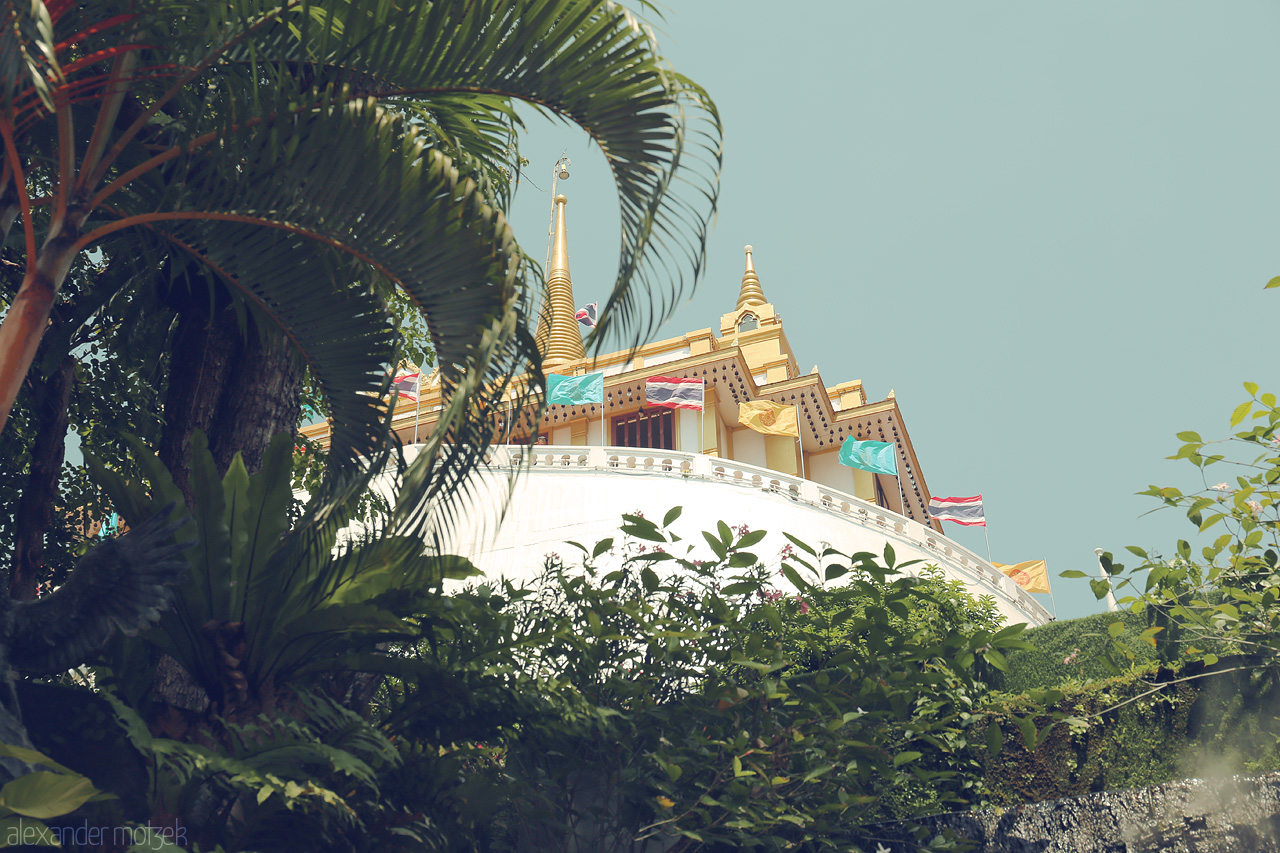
column 746, row 358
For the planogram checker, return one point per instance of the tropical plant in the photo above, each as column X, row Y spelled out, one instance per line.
column 277, row 626
column 309, row 779
column 28, row 801
column 1075, row 651
column 254, row 183
column 1224, row 596
column 835, row 621
column 273, row 167
column 672, row 716
column 266, row 603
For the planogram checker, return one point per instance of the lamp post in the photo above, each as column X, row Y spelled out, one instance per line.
column 560, row 171
column 1111, row 596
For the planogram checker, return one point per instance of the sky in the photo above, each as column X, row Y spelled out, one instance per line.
column 1046, row 227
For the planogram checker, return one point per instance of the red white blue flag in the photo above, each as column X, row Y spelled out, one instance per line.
column 966, row 511
column 673, row 392
column 406, row 385
column 587, row 315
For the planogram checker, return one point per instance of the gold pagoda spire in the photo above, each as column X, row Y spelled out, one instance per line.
column 564, row 341
column 750, row 294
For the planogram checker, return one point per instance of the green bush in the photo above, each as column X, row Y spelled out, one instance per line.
column 1209, row 615
column 685, row 704
column 1073, row 651
column 1147, row 727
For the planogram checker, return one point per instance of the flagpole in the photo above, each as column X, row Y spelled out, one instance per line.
column 988, row 538
column 1052, row 600
column 417, row 413
column 702, row 436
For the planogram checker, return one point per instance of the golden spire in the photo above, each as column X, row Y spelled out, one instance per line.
column 564, row 340
column 750, row 294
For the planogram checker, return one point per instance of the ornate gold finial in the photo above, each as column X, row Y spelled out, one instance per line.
column 564, row 341
column 750, row 294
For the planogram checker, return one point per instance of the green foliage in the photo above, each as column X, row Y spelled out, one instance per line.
column 118, row 376
column 1076, row 650
column 27, row 801
column 309, row 779
column 1147, row 727
column 264, row 603
column 1221, row 597
column 829, row 621
column 673, row 711
column 1209, row 613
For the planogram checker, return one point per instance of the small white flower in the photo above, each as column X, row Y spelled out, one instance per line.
column 1221, row 487
column 1255, row 506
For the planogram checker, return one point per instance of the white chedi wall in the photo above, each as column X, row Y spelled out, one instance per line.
column 579, row 494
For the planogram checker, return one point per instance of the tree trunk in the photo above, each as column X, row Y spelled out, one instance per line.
column 34, row 515
column 240, row 392
column 261, row 401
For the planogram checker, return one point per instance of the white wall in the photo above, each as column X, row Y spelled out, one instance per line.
column 593, row 432
column 553, row 504
column 687, row 430
column 748, row 447
column 827, row 469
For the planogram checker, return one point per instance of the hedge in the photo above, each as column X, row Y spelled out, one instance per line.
column 1206, row 721
column 1072, row 651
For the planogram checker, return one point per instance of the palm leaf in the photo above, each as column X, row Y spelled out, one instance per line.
column 298, row 211
column 588, row 61
column 256, row 151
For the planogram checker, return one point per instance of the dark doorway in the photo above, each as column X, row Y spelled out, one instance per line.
column 655, row 428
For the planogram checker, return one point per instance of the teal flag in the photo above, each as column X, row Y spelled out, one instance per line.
column 575, row 390
column 879, row 457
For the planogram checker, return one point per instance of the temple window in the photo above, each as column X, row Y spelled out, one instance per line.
column 655, row 428
column 747, row 323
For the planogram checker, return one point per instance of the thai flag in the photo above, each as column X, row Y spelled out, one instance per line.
column 406, row 386
column 966, row 511
column 673, row 392
column 587, row 316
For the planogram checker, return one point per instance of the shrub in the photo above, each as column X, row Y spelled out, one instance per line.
column 1147, row 727
column 1073, row 651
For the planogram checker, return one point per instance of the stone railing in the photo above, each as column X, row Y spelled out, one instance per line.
column 894, row 527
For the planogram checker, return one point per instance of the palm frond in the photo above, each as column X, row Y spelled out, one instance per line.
column 300, row 214
column 591, row 62
column 253, row 145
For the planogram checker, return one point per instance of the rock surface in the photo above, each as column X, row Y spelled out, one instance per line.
column 1190, row 816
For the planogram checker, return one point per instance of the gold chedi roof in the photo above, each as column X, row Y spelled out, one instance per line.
column 564, row 341
column 745, row 362
column 751, row 292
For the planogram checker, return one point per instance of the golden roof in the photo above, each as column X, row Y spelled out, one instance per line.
column 751, row 292
column 564, row 341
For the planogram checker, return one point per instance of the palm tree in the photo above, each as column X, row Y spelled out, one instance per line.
column 303, row 157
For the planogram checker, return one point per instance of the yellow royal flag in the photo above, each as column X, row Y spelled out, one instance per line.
column 1033, row 575
column 769, row 418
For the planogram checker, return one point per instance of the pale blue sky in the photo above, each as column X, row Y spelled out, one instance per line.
column 1046, row 226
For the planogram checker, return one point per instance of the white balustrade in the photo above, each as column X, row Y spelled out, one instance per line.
column 822, row 498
